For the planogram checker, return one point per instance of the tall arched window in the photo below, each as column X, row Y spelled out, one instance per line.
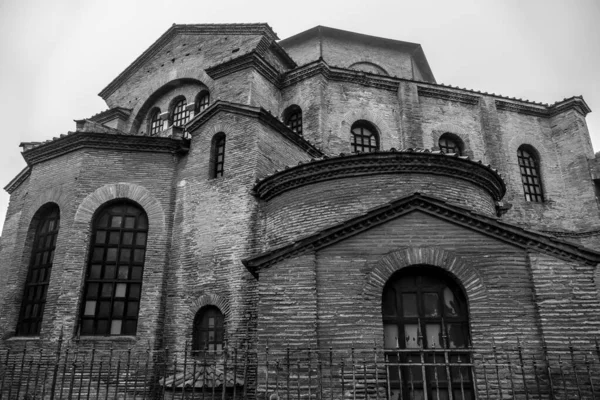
column 293, row 119
column 180, row 115
column 38, row 273
column 202, row 101
column 425, row 311
column 113, row 280
column 450, row 143
column 156, row 123
column 364, row 137
column 208, row 332
column 217, row 156
column 530, row 174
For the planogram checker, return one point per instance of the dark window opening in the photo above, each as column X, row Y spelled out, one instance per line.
column 38, row 273
column 181, row 114
column 425, row 315
column 530, row 175
column 208, row 332
column 202, row 101
column 293, row 119
column 156, row 123
column 113, row 280
column 364, row 137
column 218, row 155
column 449, row 144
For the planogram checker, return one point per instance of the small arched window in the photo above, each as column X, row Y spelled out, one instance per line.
column 364, row 137
column 156, row 123
column 425, row 311
column 180, row 115
column 293, row 119
column 38, row 273
column 113, row 280
column 530, row 174
column 450, row 143
column 217, row 156
column 202, row 101
column 208, row 332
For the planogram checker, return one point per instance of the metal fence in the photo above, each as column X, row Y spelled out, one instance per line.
column 497, row 372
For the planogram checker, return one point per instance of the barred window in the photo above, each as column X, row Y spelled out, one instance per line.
column 530, row 174
column 156, row 123
column 208, row 333
column 180, row 113
column 217, row 155
column 424, row 312
column 450, row 143
column 364, row 137
column 38, row 273
column 293, row 119
column 202, row 101
column 113, row 280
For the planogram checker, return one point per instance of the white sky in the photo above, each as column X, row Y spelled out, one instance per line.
column 57, row 55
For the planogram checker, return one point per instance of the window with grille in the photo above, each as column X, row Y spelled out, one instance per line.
column 202, row 101
column 530, row 175
column 113, row 280
column 38, row 273
column 180, row 114
column 426, row 324
column 449, row 143
column 208, row 333
column 293, row 119
column 364, row 138
column 156, row 123
column 218, row 155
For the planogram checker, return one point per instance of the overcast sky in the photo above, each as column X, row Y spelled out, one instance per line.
column 57, row 55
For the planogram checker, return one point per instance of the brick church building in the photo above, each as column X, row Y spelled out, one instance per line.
column 318, row 192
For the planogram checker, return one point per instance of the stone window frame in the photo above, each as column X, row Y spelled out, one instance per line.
column 455, row 139
column 292, row 118
column 362, row 124
column 49, row 212
column 531, row 175
column 133, row 280
column 217, row 155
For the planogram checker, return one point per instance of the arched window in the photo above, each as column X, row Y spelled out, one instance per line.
column 530, row 174
column 450, row 143
column 364, row 137
column 208, row 333
column 180, row 115
column 293, row 119
column 425, row 311
column 156, row 123
column 38, row 273
column 113, row 280
column 202, row 101
column 217, row 157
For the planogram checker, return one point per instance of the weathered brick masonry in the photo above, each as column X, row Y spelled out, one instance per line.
column 292, row 237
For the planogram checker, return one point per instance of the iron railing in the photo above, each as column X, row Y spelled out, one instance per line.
column 74, row 371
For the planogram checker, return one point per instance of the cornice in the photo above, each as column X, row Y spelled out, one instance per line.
column 573, row 234
column 432, row 206
column 248, row 60
column 445, row 94
column 392, row 162
column 18, row 180
column 203, row 29
column 259, row 113
column 110, row 114
column 105, row 141
column 574, row 103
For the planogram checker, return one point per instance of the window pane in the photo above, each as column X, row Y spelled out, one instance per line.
column 104, row 309
column 118, row 308
column 140, row 239
column 95, row 271
column 127, row 238
column 111, row 255
column 115, row 327
column 121, row 289
column 125, row 255
column 390, row 336
column 450, row 306
column 129, row 222
column 138, row 256
column 123, row 272
column 433, row 336
column 109, row 271
column 431, row 305
column 115, row 221
column 411, row 338
column 409, row 305
column 90, row 307
column 114, row 237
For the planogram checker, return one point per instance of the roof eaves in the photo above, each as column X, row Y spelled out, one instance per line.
column 18, row 180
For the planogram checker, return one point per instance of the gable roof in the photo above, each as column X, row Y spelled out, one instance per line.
column 430, row 205
column 189, row 29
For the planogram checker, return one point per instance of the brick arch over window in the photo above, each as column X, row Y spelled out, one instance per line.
column 547, row 159
column 374, row 119
column 462, row 133
column 160, row 87
column 465, row 274
column 209, row 299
